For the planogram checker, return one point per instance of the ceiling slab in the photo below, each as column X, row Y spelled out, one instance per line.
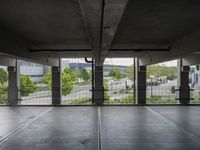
column 157, row 21
column 100, row 28
column 45, row 22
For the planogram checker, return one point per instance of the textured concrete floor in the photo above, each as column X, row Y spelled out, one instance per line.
column 105, row 128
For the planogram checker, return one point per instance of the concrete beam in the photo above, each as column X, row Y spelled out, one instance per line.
column 59, row 46
column 68, row 51
column 138, row 46
column 7, row 61
column 134, row 52
column 63, row 53
column 113, row 12
column 191, row 60
column 181, row 47
column 92, row 17
column 14, row 46
column 155, row 57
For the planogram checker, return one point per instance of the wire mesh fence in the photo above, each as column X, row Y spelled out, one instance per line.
column 162, row 83
column 3, row 85
column 76, row 81
column 118, row 80
column 34, row 87
column 194, row 83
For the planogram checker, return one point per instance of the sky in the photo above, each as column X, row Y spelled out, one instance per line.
column 170, row 63
column 119, row 61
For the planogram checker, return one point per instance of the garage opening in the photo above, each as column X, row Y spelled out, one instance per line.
column 194, row 84
column 119, row 79
column 3, row 85
column 76, row 81
column 161, row 81
column 35, row 88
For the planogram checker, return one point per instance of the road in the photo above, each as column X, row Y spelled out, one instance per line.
column 82, row 91
column 44, row 97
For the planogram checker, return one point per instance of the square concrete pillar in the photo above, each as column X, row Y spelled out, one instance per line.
column 98, row 88
column 140, row 84
column 56, row 85
column 14, row 84
column 183, row 83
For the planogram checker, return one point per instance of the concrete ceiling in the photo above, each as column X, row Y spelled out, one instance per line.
column 99, row 28
column 43, row 22
column 157, row 21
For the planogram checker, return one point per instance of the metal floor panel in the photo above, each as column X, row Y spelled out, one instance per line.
column 101, row 128
column 151, row 146
column 185, row 117
column 126, row 128
column 60, row 128
column 12, row 117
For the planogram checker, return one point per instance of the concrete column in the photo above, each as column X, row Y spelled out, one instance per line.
column 14, row 84
column 183, row 83
column 56, row 85
column 140, row 84
column 98, row 88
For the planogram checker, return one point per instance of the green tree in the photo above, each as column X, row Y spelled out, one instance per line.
column 3, row 85
column 3, row 76
column 130, row 72
column 68, row 80
column 115, row 73
column 156, row 70
column 84, row 75
column 159, row 70
column 47, row 79
column 27, row 86
column 106, row 92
